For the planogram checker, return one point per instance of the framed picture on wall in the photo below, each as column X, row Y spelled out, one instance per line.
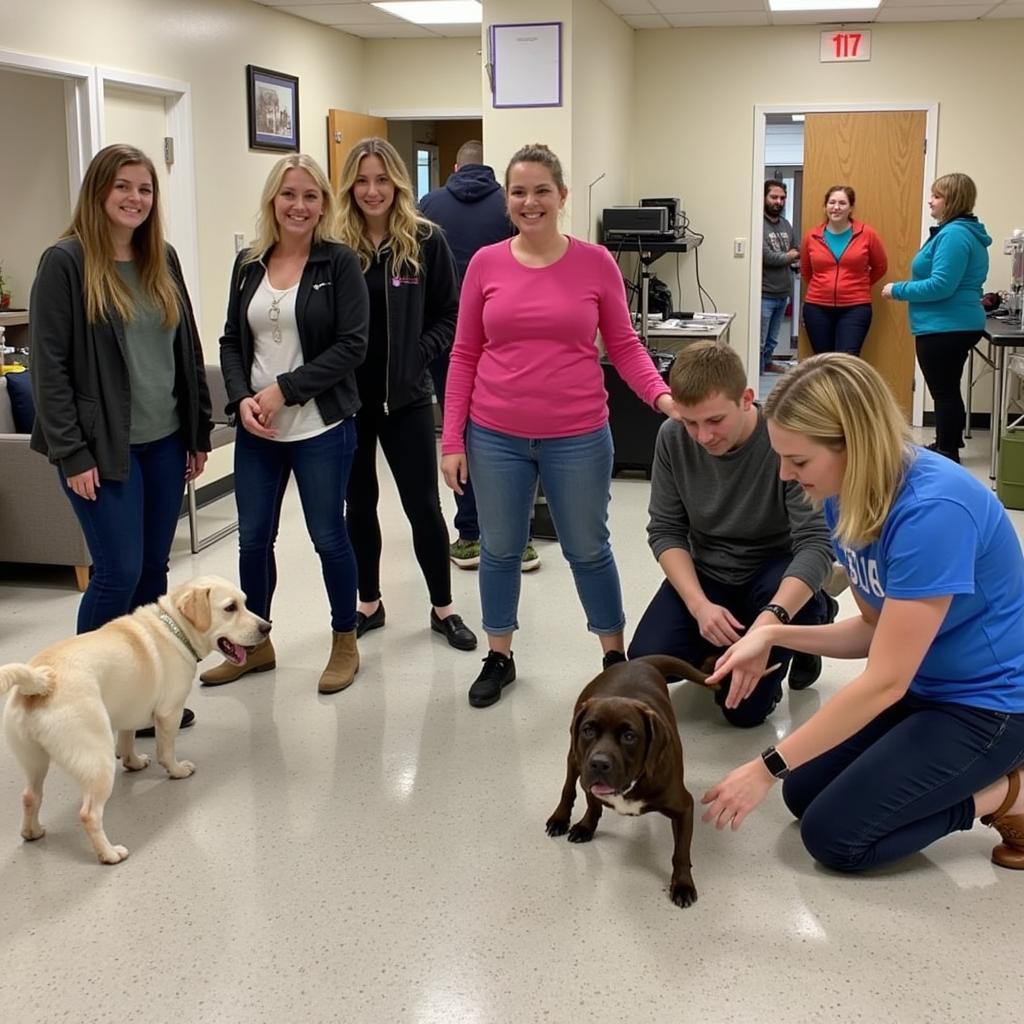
column 273, row 100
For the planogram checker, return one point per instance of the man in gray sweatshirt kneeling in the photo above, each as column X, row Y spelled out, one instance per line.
column 739, row 547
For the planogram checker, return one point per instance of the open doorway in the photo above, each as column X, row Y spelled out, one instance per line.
column 855, row 144
column 429, row 146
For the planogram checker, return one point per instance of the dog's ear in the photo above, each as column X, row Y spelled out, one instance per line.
column 658, row 747
column 194, row 605
column 577, row 721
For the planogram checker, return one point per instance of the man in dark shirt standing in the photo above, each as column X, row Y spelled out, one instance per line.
column 779, row 253
column 470, row 209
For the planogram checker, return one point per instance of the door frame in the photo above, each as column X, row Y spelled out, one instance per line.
column 180, row 211
column 761, row 112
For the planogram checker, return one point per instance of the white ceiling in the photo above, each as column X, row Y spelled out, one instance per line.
column 360, row 18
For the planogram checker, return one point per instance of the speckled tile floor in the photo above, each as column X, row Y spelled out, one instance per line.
column 380, row 856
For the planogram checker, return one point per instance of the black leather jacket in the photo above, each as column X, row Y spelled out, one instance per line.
column 332, row 310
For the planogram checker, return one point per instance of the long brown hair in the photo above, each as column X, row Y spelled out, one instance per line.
column 405, row 222
column 106, row 293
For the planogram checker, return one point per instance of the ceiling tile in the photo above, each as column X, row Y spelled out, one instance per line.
column 958, row 12
column 1014, row 10
column 822, row 17
column 629, row 6
column 701, row 19
column 398, row 29
column 892, row 5
column 710, row 7
column 340, row 14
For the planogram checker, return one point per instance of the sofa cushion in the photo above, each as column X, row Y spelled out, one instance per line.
column 23, row 406
column 6, row 415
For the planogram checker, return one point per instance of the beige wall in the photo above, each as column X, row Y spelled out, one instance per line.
column 36, row 203
column 413, row 77
column 602, row 103
column 206, row 43
column 693, row 132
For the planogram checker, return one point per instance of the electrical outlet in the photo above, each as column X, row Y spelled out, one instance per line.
column 239, row 241
column 739, row 248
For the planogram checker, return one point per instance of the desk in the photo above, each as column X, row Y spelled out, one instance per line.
column 1000, row 337
column 713, row 327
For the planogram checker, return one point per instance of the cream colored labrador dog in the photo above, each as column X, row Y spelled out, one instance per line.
column 70, row 698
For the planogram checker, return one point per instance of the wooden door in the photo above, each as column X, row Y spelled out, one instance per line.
column 881, row 155
column 344, row 129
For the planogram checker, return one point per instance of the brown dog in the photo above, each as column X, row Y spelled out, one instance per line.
column 625, row 748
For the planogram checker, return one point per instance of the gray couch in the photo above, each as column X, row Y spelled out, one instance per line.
column 36, row 521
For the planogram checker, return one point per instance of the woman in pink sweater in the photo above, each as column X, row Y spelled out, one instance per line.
column 526, row 399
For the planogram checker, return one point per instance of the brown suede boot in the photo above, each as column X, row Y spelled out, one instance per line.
column 1010, row 852
column 261, row 659
column 343, row 664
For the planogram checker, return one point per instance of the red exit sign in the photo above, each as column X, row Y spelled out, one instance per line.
column 843, row 46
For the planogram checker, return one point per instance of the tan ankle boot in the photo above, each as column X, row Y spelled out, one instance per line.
column 343, row 664
column 261, row 659
column 1010, row 852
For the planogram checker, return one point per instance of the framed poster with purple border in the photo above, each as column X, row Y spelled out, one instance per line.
column 526, row 64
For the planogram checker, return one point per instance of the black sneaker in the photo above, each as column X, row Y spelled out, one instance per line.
column 612, row 658
column 499, row 670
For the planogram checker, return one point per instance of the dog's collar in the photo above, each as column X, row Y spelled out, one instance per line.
column 179, row 633
column 629, row 789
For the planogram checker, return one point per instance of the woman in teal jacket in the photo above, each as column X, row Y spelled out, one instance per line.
column 944, row 300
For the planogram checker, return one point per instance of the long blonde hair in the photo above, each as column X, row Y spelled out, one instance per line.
column 106, row 293
column 406, row 225
column 268, row 233
column 841, row 402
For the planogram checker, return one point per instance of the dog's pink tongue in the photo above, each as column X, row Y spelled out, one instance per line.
column 239, row 652
column 600, row 789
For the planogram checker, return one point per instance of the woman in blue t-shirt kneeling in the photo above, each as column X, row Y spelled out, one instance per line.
column 930, row 735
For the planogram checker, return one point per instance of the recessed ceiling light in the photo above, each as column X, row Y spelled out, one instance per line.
column 436, row 12
column 823, row 5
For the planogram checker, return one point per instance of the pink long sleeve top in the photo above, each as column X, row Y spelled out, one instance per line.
column 525, row 361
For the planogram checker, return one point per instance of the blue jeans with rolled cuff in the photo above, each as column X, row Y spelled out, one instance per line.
column 576, row 474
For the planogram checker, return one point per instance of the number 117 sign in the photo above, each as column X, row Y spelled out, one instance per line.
column 844, row 46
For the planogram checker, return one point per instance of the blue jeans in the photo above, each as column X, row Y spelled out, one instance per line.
column 667, row 627
column 837, row 328
column 129, row 529
column 465, row 503
column 906, row 779
column 772, row 309
column 576, row 474
column 321, row 466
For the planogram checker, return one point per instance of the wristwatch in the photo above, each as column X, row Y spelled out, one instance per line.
column 775, row 763
column 778, row 611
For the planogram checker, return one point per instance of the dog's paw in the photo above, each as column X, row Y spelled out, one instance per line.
column 31, row 836
column 115, row 856
column 683, row 894
column 135, row 763
column 556, row 826
column 580, row 833
column 181, row 770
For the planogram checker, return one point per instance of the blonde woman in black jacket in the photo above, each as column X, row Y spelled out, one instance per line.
column 294, row 335
column 414, row 301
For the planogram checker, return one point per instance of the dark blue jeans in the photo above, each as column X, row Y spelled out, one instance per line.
column 466, row 524
column 321, row 466
column 667, row 627
column 837, row 328
column 129, row 529
column 905, row 780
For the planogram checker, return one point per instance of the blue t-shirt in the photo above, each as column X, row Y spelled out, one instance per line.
column 947, row 533
column 837, row 241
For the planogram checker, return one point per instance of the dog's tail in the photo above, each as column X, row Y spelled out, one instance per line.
column 28, row 681
column 676, row 668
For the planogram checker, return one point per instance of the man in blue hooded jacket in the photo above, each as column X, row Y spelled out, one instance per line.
column 470, row 209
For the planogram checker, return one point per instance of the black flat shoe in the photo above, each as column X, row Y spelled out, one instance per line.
column 188, row 717
column 364, row 623
column 454, row 630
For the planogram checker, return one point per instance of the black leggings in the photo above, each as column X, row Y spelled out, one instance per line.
column 942, row 357
column 407, row 439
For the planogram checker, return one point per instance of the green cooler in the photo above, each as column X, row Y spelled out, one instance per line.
column 1010, row 473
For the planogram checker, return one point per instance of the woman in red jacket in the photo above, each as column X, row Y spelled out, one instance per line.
column 839, row 261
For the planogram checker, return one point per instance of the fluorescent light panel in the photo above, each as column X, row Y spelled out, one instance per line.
column 435, row 12
column 823, row 5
